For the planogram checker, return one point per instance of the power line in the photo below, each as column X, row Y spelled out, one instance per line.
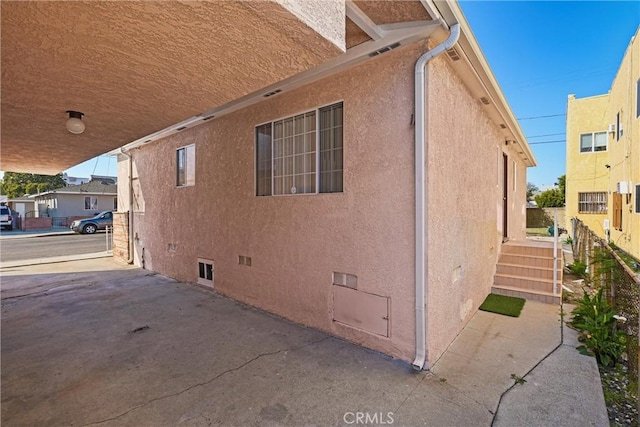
column 542, row 117
column 548, row 134
column 548, row 142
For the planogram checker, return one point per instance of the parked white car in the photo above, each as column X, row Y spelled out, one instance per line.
column 6, row 218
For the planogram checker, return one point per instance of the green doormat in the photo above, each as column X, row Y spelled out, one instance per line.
column 509, row 306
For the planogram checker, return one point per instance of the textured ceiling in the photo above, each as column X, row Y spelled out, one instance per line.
column 134, row 68
column 390, row 12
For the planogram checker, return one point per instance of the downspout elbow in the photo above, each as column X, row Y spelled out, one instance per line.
column 421, row 195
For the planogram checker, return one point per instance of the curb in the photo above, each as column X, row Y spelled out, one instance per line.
column 54, row 260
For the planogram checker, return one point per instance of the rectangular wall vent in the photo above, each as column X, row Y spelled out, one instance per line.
column 345, row 279
column 244, row 260
column 484, row 100
column 384, row 49
column 453, row 54
column 208, row 118
column 266, row 95
column 503, row 126
column 205, row 272
column 182, row 128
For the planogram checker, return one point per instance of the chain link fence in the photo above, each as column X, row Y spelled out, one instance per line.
column 621, row 285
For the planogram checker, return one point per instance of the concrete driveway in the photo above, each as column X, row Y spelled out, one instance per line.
column 93, row 342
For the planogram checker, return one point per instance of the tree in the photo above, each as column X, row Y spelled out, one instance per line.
column 532, row 189
column 554, row 197
column 18, row 184
column 562, row 179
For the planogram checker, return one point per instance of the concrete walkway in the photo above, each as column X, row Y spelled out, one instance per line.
column 94, row 342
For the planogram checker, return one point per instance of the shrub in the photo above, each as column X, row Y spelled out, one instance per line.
column 600, row 337
column 578, row 268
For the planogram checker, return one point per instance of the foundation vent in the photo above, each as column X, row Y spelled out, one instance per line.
column 205, row 272
column 453, row 54
column 384, row 49
column 484, row 100
column 244, row 260
column 267, row 95
column 345, row 279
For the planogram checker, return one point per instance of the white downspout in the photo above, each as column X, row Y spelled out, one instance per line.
column 130, row 259
column 421, row 190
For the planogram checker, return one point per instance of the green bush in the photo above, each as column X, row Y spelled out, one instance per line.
column 578, row 268
column 600, row 337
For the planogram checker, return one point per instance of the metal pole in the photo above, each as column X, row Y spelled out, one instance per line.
column 555, row 251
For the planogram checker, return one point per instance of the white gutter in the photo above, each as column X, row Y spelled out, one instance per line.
column 130, row 259
column 421, row 190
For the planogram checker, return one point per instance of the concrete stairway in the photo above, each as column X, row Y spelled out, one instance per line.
column 525, row 270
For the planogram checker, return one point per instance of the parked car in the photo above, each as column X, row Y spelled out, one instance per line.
column 91, row 225
column 6, row 217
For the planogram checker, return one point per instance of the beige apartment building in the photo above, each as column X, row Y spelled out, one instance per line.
column 603, row 157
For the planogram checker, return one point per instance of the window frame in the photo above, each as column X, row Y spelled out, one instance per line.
column 604, row 204
column 95, row 208
column 316, row 110
column 593, row 142
column 637, row 199
column 187, row 181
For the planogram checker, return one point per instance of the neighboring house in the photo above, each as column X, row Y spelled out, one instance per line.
column 77, row 201
column 21, row 205
column 305, row 199
column 72, row 180
column 105, row 179
column 603, row 157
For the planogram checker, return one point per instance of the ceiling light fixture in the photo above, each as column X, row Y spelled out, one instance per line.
column 75, row 124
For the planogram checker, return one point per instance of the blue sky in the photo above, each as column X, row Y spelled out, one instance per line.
column 540, row 52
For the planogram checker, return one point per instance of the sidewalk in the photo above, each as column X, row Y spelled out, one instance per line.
column 18, row 234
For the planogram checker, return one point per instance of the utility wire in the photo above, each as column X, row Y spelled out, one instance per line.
column 542, row 117
column 95, row 166
column 548, row 142
column 548, row 134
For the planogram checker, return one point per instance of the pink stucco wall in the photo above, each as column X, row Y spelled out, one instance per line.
column 296, row 242
column 465, row 188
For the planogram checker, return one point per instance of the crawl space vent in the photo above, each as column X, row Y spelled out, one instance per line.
column 205, row 272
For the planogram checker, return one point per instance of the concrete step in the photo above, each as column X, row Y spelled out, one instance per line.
column 545, row 297
column 528, row 260
column 541, row 251
column 525, row 283
column 524, row 271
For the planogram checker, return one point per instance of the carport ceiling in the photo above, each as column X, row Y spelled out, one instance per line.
column 133, row 68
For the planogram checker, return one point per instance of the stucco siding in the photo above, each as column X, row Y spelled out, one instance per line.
column 295, row 242
column 586, row 172
column 465, row 158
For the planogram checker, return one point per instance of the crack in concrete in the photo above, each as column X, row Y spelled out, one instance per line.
column 155, row 399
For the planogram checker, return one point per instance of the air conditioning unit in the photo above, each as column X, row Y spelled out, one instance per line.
column 612, row 128
column 623, row 187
